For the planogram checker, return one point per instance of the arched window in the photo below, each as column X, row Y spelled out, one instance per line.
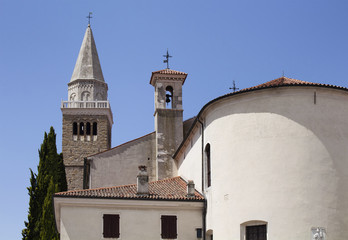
column 82, row 129
column 85, row 96
column 74, row 131
column 169, row 96
column 72, row 97
column 95, row 129
column 207, row 165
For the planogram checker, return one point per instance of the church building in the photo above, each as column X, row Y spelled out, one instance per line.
column 266, row 162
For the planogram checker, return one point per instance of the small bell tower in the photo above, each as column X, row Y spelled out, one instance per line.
column 87, row 116
column 168, row 118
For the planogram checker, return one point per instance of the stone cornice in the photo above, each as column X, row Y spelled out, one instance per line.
column 89, row 111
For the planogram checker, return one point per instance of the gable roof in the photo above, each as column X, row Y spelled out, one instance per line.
column 169, row 71
column 173, row 189
column 279, row 82
column 168, row 74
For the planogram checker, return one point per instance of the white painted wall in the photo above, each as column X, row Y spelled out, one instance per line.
column 139, row 219
column 276, row 157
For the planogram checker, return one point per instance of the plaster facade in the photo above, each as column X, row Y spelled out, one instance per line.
column 278, row 156
column 139, row 219
column 119, row 165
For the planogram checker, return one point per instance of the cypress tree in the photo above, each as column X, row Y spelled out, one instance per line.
column 29, row 232
column 51, row 168
column 48, row 225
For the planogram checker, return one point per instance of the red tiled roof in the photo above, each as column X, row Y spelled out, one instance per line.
column 284, row 81
column 167, row 189
column 182, row 76
column 169, row 71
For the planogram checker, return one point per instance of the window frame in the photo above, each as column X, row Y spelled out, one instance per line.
column 253, row 223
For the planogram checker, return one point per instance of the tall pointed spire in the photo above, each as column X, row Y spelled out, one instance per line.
column 87, row 64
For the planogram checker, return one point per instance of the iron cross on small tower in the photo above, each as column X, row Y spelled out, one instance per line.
column 89, row 18
column 167, row 56
column 234, row 88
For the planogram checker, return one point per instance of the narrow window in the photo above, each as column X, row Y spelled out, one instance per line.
column 74, row 128
column 258, row 232
column 169, row 96
column 95, row 129
column 208, row 164
column 168, row 227
column 88, row 128
column 82, row 129
column 111, row 226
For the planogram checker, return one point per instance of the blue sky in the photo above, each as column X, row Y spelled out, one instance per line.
column 215, row 42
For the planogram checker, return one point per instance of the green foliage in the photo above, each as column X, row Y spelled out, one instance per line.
column 49, row 180
column 48, row 225
column 29, row 232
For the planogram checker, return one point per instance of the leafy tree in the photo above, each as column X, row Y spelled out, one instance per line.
column 50, row 169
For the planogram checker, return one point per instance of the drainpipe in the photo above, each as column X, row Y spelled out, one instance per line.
column 204, row 214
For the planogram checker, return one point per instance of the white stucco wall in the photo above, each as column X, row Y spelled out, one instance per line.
column 139, row 219
column 276, row 157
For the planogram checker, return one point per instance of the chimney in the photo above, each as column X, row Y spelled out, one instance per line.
column 190, row 189
column 142, row 181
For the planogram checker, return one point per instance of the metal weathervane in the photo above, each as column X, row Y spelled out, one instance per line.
column 234, row 88
column 89, row 18
column 167, row 56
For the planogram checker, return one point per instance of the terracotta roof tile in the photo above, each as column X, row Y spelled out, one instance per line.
column 284, row 81
column 167, row 189
column 169, row 71
column 172, row 75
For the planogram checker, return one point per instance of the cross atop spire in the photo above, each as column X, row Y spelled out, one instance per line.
column 89, row 18
column 167, row 56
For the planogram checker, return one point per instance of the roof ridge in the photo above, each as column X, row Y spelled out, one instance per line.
column 133, row 140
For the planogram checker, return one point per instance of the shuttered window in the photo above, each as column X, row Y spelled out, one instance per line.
column 168, row 227
column 258, row 232
column 111, row 226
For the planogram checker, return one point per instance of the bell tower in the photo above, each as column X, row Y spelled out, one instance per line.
column 168, row 118
column 87, row 116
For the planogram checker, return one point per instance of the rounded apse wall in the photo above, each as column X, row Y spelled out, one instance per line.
column 278, row 156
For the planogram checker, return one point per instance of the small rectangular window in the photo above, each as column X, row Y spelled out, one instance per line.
column 199, row 233
column 111, row 226
column 168, row 227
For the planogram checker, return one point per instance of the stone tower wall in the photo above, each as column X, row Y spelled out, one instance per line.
column 169, row 135
column 76, row 148
column 168, row 124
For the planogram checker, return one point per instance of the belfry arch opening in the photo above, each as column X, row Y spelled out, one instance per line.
column 82, row 129
column 169, row 97
column 95, row 129
column 75, row 128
